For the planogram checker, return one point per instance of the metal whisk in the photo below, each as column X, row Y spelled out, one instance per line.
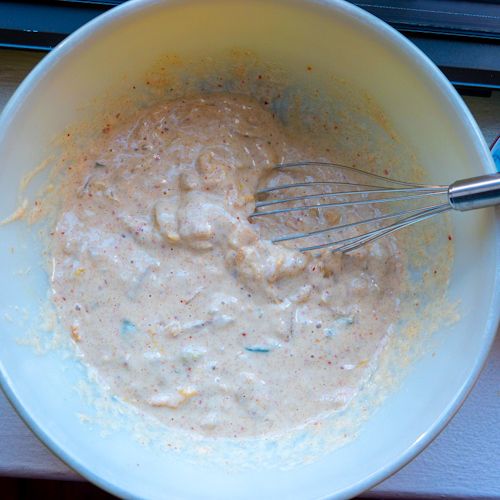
column 377, row 192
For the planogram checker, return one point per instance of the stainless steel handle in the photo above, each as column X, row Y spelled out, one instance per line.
column 477, row 192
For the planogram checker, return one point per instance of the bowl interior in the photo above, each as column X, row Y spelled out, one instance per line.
column 334, row 39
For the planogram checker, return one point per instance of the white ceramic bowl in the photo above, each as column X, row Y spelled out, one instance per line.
column 333, row 37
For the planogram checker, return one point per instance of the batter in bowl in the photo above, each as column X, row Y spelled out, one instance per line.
column 183, row 306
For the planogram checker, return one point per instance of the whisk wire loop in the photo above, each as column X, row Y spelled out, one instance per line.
column 373, row 191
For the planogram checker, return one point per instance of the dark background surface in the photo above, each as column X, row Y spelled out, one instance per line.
column 38, row 489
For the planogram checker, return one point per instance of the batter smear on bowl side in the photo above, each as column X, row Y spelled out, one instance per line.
column 183, row 306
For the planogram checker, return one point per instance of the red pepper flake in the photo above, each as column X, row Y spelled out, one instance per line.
column 329, row 362
column 309, row 68
column 386, row 172
column 450, row 237
column 106, row 128
column 244, row 334
column 260, row 77
column 266, row 102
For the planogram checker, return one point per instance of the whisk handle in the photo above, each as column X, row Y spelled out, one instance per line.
column 476, row 192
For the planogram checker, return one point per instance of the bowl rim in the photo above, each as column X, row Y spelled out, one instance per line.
column 428, row 71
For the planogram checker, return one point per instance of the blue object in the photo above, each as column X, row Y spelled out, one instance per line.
column 495, row 152
column 127, row 327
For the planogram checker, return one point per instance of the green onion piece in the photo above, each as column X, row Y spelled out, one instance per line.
column 127, row 327
column 257, row 348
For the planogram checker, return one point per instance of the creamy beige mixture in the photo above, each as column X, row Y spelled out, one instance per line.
column 182, row 304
